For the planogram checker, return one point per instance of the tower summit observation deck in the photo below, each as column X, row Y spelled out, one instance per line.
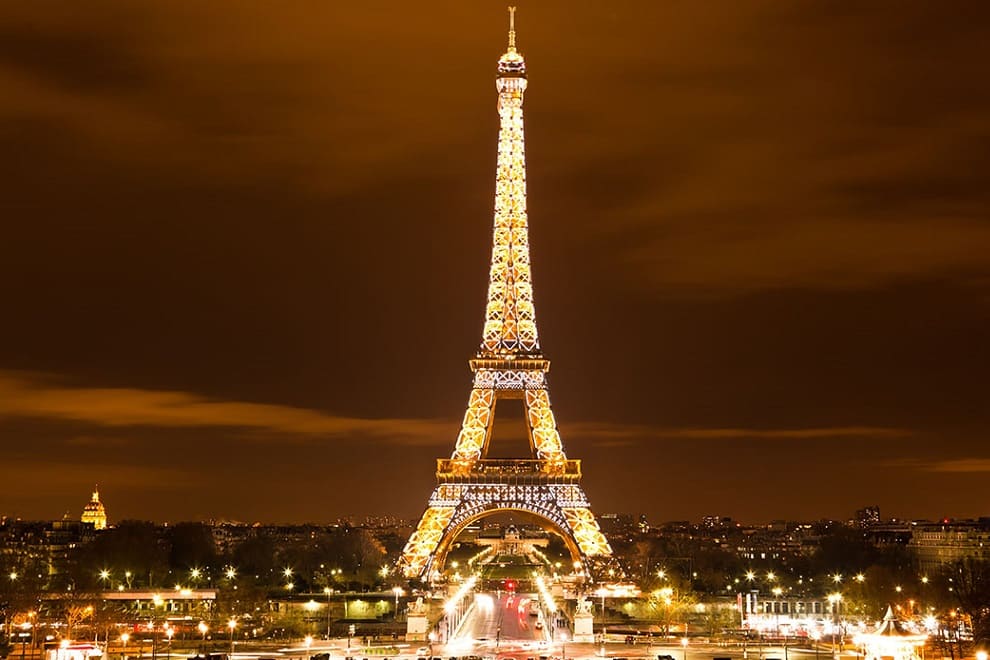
column 508, row 365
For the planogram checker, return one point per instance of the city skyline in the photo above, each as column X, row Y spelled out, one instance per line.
column 245, row 268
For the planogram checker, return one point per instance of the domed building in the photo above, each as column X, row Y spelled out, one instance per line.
column 94, row 512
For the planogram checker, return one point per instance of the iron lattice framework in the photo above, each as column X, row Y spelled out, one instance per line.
column 510, row 364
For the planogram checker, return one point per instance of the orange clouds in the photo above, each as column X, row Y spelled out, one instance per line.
column 24, row 396
column 617, row 432
column 35, row 397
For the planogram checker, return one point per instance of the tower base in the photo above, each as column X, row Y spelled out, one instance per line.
column 454, row 505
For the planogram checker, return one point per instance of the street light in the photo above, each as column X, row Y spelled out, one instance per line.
column 835, row 600
column 168, row 633
column 684, row 644
column 203, row 628
column 232, row 624
column 777, row 591
column 398, row 592
column 328, row 591
column 156, row 601
column 308, row 641
column 123, row 640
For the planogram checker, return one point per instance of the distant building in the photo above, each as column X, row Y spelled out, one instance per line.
column 716, row 522
column 779, row 541
column 782, row 614
column 890, row 534
column 937, row 544
column 617, row 525
column 191, row 604
column 94, row 512
column 50, row 547
column 868, row 516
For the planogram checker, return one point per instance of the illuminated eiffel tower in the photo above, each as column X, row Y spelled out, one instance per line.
column 510, row 365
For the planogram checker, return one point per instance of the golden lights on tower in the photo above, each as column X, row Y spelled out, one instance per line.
column 509, row 364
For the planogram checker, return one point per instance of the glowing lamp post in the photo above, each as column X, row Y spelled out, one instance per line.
column 308, row 641
column 777, row 591
column 684, row 645
column 328, row 591
column 203, row 628
column 232, row 624
column 835, row 600
column 398, row 592
column 25, row 627
column 123, row 642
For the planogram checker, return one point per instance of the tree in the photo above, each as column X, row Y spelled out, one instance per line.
column 670, row 604
column 971, row 585
column 132, row 552
column 74, row 614
column 191, row 545
column 22, row 582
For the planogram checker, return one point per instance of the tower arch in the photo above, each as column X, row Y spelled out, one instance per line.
column 546, row 515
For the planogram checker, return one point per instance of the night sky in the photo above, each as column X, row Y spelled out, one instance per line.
column 245, row 247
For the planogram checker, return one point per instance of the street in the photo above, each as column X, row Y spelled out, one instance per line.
column 501, row 619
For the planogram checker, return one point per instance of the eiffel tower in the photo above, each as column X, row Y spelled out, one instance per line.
column 510, row 365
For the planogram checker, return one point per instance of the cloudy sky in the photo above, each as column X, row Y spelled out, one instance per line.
column 244, row 253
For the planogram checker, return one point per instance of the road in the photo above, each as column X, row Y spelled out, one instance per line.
column 504, row 618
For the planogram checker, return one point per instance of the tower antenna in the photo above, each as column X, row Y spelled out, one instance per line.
column 512, row 28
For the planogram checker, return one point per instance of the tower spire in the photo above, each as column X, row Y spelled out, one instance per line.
column 510, row 318
column 512, row 29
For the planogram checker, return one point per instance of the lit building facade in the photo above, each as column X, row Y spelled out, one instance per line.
column 937, row 544
column 94, row 512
